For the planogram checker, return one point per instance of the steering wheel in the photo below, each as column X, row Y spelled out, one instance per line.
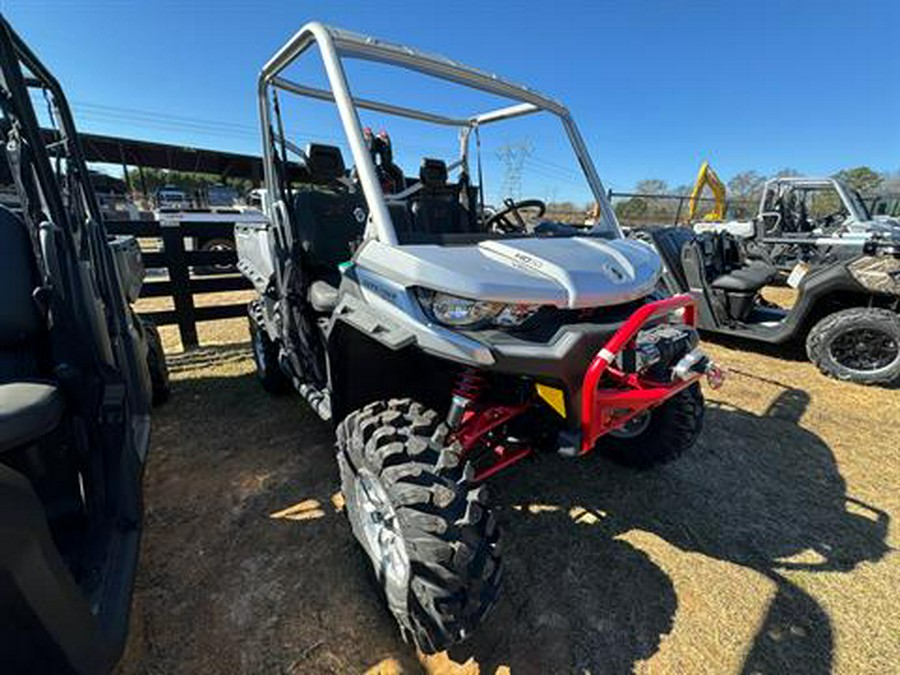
column 825, row 222
column 509, row 219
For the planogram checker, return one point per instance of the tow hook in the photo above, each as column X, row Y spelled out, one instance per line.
column 695, row 361
column 715, row 376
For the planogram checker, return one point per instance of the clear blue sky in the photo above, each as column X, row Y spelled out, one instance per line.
column 655, row 87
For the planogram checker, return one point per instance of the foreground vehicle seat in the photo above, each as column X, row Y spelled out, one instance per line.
column 29, row 408
column 436, row 208
column 329, row 221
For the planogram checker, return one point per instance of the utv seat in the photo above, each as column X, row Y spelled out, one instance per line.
column 715, row 261
column 329, row 221
column 748, row 279
column 323, row 296
column 726, row 268
column 436, row 207
column 669, row 241
column 28, row 410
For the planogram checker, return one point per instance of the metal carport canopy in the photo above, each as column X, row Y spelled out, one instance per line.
column 149, row 154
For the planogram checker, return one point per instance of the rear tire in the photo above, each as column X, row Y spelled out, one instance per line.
column 156, row 364
column 432, row 541
column 219, row 244
column 265, row 356
column 831, row 345
column 670, row 431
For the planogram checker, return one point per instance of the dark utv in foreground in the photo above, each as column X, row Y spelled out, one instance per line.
column 78, row 372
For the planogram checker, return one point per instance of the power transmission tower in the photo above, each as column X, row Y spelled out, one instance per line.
column 513, row 156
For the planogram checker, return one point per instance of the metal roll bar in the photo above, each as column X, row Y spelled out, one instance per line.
column 336, row 44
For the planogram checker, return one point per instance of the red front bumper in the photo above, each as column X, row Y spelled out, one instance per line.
column 604, row 408
column 626, row 395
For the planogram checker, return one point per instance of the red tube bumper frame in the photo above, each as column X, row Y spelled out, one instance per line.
column 624, row 396
column 628, row 394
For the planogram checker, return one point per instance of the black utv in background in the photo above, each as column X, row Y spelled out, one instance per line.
column 846, row 311
column 78, row 372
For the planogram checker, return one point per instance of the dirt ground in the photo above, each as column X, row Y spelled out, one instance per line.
column 770, row 548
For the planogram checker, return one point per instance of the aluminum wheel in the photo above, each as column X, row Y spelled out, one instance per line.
column 633, row 427
column 219, row 246
column 864, row 349
column 381, row 530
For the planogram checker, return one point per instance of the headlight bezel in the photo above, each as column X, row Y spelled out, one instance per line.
column 481, row 314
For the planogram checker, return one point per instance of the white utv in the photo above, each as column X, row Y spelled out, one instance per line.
column 812, row 221
column 446, row 342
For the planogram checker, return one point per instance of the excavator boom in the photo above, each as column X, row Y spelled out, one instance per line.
column 706, row 176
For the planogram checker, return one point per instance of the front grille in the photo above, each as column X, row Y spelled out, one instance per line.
column 547, row 321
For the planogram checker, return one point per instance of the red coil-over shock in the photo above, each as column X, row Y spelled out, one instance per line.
column 472, row 420
column 468, row 389
column 469, row 384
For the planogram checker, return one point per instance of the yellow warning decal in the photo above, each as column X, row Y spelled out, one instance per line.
column 554, row 397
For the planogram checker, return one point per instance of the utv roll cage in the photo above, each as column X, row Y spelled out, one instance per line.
column 336, row 45
column 55, row 189
column 83, row 350
column 850, row 198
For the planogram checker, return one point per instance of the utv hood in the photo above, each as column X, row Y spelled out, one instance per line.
column 571, row 272
column 884, row 225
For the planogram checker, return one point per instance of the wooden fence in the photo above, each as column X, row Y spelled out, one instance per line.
column 179, row 262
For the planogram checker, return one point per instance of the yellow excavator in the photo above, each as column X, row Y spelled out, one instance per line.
column 706, row 176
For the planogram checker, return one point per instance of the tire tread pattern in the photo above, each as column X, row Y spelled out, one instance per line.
column 824, row 331
column 451, row 537
column 156, row 364
column 271, row 376
column 674, row 428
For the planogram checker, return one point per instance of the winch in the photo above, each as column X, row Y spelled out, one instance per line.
column 658, row 350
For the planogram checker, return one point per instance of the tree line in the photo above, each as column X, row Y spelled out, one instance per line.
column 744, row 191
column 149, row 180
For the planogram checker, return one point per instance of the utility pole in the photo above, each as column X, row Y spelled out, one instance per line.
column 513, row 156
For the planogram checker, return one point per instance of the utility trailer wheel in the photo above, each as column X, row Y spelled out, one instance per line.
column 218, row 244
column 431, row 539
column 265, row 356
column 156, row 364
column 861, row 345
column 660, row 435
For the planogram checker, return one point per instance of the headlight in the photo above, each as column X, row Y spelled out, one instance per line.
column 452, row 310
column 455, row 311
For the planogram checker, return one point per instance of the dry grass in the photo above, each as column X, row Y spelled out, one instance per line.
column 770, row 548
column 210, row 333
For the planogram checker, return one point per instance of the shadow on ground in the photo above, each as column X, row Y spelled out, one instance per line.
column 224, row 587
column 790, row 352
